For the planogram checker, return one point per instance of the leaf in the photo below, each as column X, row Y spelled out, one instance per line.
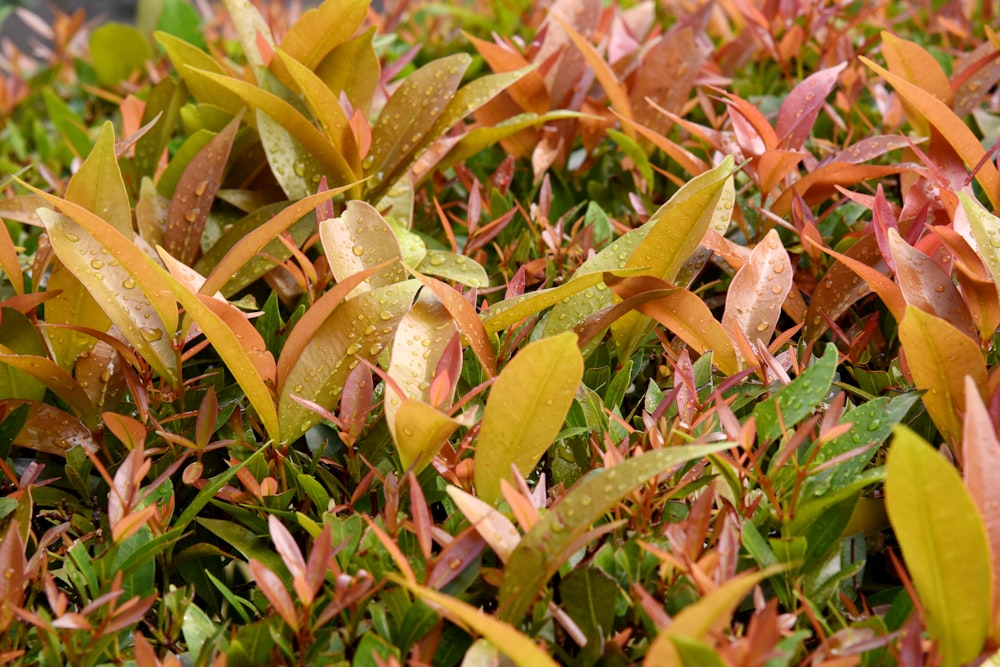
column 359, row 328
column 194, row 194
column 793, row 402
column 520, row 649
column 238, row 345
column 713, row 611
column 544, row 549
column 508, row 312
column 939, row 357
column 294, row 166
column 455, row 267
column 250, row 26
column 926, row 286
column 421, row 338
column 802, row 105
column 117, row 51
column 322, row 29
column 52, row 431
column 9, row 263
column 937, row 526
column 584, row 594
column 950, row 126
column 54, row 378
column 465, row 316
column 98, row 186
column 879, row 283
column 981, row 467
column 419, row 431
column 360, row 239
column 986, row 230
column 913, row 63
column 666, row 247
column 121, row 278
column 757, row 291
column 841, row 287
column 526, row 410
column 496, row 529
column 406, row 121
column 354, row 69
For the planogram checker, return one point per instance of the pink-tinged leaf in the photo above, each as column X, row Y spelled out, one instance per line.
column 986, row 232
column 981, row 470
column 13, row 583
column 939, row 357
column 207, row 419
column 286, row 547
column 22, row 208
column 359, row 239
column 246, row 249
column 458, row 554
column 238, row 344
column 691, row 163
column 925, row 285
column 774, row 165
column 974, row 75
column 319, row 558
column 949, row 126
column 9, row 263
column 100, row 374
column 870, row 148
column 52, row 431
column 529, row 93
column 275, row 592
column 498, row 531
column 421, row 338
column 753, row 302
column 130, row 524
column 802, row 105
column 877, row 281
column 753, row 132
column 56, row 379
column 131, row 432
column 194, row 194
column 605, row 75
column 356, row 400
column 464, row 314
column 821, row 184
column 567, row 64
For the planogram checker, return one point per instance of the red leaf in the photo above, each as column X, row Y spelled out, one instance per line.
column 802, row 105
column 274, row 591
column 286, row 547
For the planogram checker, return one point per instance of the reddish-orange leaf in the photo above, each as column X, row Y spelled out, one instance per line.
column 821, row 184
column 913, row 63
column 195, row 193
column 50, row 430
column 841, row 287
column 753, row 303
column 529, row 92
column 275, row 592
column 802, row 105
column 879, row 283
column 56, row 379
column 8, row 260
column 286, row 547
column 464, row 314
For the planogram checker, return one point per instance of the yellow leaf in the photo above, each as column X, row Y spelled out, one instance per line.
column 419, row 431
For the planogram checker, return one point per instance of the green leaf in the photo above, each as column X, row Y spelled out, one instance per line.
column 98, row 186
column 585, row 594
column 117, row 51
column 297, row 170
column 520, row 649
column 454, row 267
column 543, row 550
column 526, row 410
column 943, row 543
column 20, row 337
column 796, row 400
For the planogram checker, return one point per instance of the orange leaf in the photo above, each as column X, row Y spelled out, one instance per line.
column 753, row 303
column 467, row 319
column 879, row 283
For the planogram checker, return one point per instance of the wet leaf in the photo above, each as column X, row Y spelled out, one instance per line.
column 602, row 71
column 981, row 468
column 294, row 166
column 937, row 526
column 58, row 381
column 421, row 338
column 529, row 93
column 950, row 126
column 239, row 346
column 841, row 287
column 455, row 267
column 525, row 410
column 877, row 281
column 755, row 296
column 194, row 194
column 939, row 357
column 406, row 121
column 926, row 286
column 52, row 431
column 98, row 186
column 986, row 231
column 544, row 549
column 517, row 647
column 122, row 280
column 360, row 239
column 250, row 26
column 9, row 263
column 508, row 312
column 359, row 328
column 911, row 62
column 465, row 316
column 419, row 431
column 821, row 183
column 353, row 68
column 802, row 105
column 666, row 247
column 496, row 529
column 793, row 402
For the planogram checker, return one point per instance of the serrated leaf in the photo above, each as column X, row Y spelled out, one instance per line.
column 938, row 527
column 666, row 247
column 520, row 649
column 408, row 118
column 526, row 410
column 455, row 267
column 939, row 357
column 360, row 239
column 756, row 293
column 121, row 278
column 797, row 399
column 986, row 231
column 952, row 129
column 926, row 286
column 543, row 550
column 359, row 328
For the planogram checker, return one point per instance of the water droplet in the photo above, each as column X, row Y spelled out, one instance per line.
column 761, row 326
column 385, row 315
column 72, row 238
column 353, row 348
column 199, row 189
column 779, row 268
column 298, row 388
column 151, row 334
column 128, row 283
column 97, row 264
column 436, row 260
column 358, row 250
column 191, row 215
column 370, row 329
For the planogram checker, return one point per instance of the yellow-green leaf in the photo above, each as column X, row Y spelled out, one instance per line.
column 98, row 186
column 521, row 650
column 250, row 26
column 19, row 337
column 986, row 231
column 943, row 542
column 543, row 550
column 939, row 357
column 526, row 409
column 73, row 305
column 419, row 431
column 353, row 68
column 359, row 328
column 56, row 379
column 465, row 316
column 452, row 266
column 501, row 315
column 360, row 239
column 121, row 278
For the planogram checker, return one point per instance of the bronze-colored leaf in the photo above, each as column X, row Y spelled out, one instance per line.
column 52, row 431
column 753, row 302
column 360, row 239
